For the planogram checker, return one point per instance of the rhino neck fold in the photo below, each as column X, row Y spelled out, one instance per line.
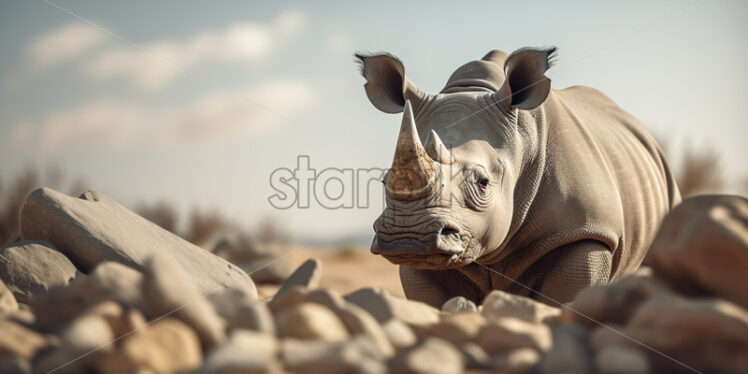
column 535, row 135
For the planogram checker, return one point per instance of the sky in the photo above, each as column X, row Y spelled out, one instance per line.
column 198, row 103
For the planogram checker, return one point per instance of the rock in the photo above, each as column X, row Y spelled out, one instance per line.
column 83, row 342
column 94, row 229
column 500, row 304
column 431, row 356
column 244, row 352
column 570, row 352
column 609, row 334
column 621, row 359
column 169, row 291
column 18, row 341
column 22, row 316
column 291, row 297
column 399, row 334
column 355, row 319
column 520, row 360
column 384, row 307
column 474, row 356
column 121, row 321
column 114, row 281
column 358, row 355
column 458, row 328
column 8, row 302
column 307, row 275
column 700, row 235
column 237, row 248
column 15, row 237
column 458, row 304
column 310, row 321
column 614, row 302
column 242, row 312
column 166, row 346
column 706, row 334
column 266, row 269
column 86, row 333
column 108, row 281
column 32, row 268
column 15, row 365
column 504, row 334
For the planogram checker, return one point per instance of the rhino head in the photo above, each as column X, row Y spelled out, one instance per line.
column 454, row 184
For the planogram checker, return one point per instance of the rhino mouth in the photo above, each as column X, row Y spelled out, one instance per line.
column 441, row 245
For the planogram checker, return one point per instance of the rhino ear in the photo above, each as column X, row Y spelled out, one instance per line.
column 386, row 84
column 526, row 85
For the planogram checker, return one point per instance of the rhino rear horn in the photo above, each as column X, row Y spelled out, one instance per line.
column 437, row 150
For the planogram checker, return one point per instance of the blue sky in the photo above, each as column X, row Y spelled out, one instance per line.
column 165, row 107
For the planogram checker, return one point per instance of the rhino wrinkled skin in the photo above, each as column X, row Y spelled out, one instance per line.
column 501, row 183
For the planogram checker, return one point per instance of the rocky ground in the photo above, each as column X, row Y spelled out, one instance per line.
column 88, row 286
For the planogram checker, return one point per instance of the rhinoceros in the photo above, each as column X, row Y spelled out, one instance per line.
column 501, row 183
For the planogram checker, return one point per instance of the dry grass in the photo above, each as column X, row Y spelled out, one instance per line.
column 700, row 172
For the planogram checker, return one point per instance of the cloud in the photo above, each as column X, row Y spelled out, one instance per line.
column 340, row 44
column 159, row 62
column 108, row 125
column 227, row 114
column 63, row 44
column 96, row 125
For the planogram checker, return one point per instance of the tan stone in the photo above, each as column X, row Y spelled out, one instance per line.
column 310, row 321
column 621, row 359
column 504, row 334
column 431, row 356
column 384, row 307
column 458, row 328
column 702, row 247
column 166, row 346
column 500, row 304
column 19, row 341
column 169, row 291
column 706, row 334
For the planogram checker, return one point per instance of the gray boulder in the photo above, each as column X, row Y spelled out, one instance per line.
column 32, row 268
column 702, row 247
column 94, row 228
column 708, row 335
column 169, row 292
column 307, row 275
column 384, row 307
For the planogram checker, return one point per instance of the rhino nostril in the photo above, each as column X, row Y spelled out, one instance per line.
column 448, row 231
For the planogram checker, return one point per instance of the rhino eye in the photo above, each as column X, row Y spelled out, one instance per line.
column 481, row 178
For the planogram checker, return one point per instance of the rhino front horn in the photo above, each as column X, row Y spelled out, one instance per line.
column 413, row 173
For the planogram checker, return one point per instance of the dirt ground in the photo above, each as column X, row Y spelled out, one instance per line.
column 345, row 269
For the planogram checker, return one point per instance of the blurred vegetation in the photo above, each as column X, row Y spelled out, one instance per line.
column 348, row 251
column 698, row 170
column 201, row 226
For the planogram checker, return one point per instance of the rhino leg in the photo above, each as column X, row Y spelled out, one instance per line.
column 572, row 267
column 435, row 287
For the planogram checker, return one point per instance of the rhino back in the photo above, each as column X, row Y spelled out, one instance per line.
column 603, row 178
column 608, row 171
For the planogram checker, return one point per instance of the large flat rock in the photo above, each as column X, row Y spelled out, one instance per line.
column 93, row 228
